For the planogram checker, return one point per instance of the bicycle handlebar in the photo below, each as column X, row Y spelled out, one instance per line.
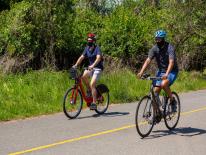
column 75, row 74
column 148, row 77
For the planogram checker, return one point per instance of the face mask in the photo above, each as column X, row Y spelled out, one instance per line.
column 160, row 44
column 90, row 44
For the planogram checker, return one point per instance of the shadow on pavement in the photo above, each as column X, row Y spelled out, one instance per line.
column 185, row 131
column 108, row 114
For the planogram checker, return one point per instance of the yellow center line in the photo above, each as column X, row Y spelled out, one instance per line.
column 92, row 135
column 192, row 111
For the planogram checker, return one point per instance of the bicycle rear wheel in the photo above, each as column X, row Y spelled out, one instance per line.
column 144, row 118
column 171, row 118
column 72, row 104
column 102, row 103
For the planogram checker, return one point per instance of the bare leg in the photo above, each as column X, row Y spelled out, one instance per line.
column 93, row 87
column 157, row 90
column 165, row 86
column 85, row 79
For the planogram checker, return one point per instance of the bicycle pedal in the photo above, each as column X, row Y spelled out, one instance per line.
column 150, row 122
column 158, row 119
column 93, row 106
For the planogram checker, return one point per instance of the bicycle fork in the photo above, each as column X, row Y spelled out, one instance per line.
column 158, row 115
column 73, row 97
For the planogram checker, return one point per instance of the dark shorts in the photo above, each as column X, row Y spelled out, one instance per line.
column 171, row 77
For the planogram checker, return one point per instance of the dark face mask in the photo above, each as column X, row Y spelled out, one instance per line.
column 160, row 42
column 90, row 44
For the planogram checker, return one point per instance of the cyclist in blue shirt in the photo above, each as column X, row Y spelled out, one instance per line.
column 95, row 68
column 165, row 57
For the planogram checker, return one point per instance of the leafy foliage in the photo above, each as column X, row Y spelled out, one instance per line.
column 54, row 31
column 15, row 30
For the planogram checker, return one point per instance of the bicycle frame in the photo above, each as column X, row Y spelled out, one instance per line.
column 154, row 99
column 79, row 86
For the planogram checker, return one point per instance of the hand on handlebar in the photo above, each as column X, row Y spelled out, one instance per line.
column 90, row 67
column 145, row 76
column 139, row 75
column 74, row 66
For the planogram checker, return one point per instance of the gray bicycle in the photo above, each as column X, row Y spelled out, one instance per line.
column 151, row 110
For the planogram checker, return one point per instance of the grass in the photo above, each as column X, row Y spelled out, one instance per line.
column 31, row 94
column 41, row 92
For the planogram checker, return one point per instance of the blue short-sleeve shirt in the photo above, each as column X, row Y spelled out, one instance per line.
column 92, row 55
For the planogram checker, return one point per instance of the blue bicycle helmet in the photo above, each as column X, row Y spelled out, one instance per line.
column 160, row 34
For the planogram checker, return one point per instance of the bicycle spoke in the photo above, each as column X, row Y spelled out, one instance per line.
column 72, row 103
column 144, row 117
column 171, row 117
column 102, row 103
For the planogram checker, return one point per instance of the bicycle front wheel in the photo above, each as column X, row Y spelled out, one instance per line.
column 72, row 104
column 171, row 117
column 144, row 118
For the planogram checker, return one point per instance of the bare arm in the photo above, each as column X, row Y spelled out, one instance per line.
column 146, row 63
column 170, row 66
column 79, row 61
column 171, row 61
column 98, row 59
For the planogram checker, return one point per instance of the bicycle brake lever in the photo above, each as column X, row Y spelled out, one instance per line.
column 145, row 76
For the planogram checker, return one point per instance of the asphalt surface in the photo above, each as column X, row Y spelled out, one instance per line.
column 113, row 133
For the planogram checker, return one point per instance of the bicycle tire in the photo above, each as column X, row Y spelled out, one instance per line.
column 72, row 106
column 149, row 114
column 106, row 98
column 103, row 99
column 169, row 115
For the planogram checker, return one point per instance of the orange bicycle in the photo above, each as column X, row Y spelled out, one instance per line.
column 73, row 98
